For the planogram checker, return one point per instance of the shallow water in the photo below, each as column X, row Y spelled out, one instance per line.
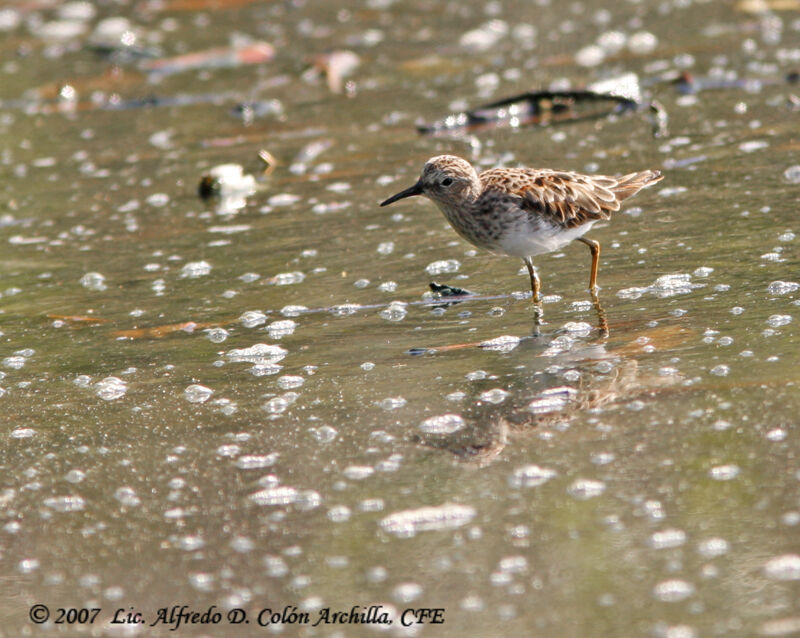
column 552, row 483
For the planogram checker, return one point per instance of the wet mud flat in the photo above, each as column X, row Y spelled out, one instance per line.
column 253, row 400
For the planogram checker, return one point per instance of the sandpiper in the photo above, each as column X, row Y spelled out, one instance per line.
column 524, row 211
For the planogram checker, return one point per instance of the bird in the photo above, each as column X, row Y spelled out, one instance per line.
column 524, row 212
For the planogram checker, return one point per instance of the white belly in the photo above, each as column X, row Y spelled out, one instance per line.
column 544, row 239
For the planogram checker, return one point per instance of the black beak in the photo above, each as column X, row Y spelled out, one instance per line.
column 416, row 189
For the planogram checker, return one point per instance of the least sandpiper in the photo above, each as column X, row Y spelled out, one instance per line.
column 524, row 211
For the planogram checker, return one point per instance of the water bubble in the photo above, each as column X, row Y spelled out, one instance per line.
column 484, row 37
column 442, row 424
column 216, row 335
column 127, row 497
column 667, row 538
column 197, row 393
column 339, row 513
column 786, row 567
column 476, row 375
column 325, row 434
column 358, row 472
column 530, row 476
column 584, row 489
column 265, row 369
column 776, row 434
column 505, row 343
column 256, row 461
column 111, row 388
column 195, row 269
column 753, row 145
column 395, row 311
column 289, row 382
column 407, row 592
column 720, row 370
column 673, row 591
column 288, row 278
column 283, row 199
column 392, row 403
column 281, row 328
column 75, row 476
column 14, row 362
column 407, row 523
column 783, row 287
column 579, row 328
column 712, row 547
column 553, row 400
column 443, row 266
column 72, row 503
column 279, row 495
column 612, row 42
column 591, row 55
column 260, row 353
column 253, row 318
column 93, row 281
column 671, row 285
column 386, row 248
column 229, row 450
column 345, row 309
column 724, row 472
column 776, row 321
column 280, row 404
column 495, row 395
column 28, row 565
column 293, row 311
column 792, row 174
column 780, row 627
column 642, row 42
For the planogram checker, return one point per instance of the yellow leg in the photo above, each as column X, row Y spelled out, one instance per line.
column 535, row 284
column 595, row 248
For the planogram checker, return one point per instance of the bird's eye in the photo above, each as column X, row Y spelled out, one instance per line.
column 447, row 181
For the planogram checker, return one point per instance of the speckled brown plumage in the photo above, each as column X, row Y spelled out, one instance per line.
column 524, row 211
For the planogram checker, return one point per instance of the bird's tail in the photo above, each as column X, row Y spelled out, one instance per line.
column 629, row 185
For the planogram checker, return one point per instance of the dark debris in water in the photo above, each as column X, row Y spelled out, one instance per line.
column 446, row 290
column 605, row 99
column 542, row 108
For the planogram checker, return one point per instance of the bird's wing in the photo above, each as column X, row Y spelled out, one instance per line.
column 567, row 199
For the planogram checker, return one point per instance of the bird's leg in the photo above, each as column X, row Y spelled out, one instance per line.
column 538, row 312
column 534, row 280
column 595, row 248
column 601, row 315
